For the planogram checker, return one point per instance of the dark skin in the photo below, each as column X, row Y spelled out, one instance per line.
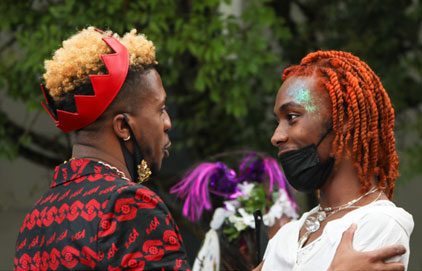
column 149, row 122
column 303, row 112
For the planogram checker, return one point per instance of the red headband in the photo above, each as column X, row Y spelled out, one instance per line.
column 106, row 87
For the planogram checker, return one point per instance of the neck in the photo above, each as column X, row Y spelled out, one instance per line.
column 110, row 156
column 342, row 186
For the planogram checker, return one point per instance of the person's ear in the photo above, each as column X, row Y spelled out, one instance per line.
column 120, row 127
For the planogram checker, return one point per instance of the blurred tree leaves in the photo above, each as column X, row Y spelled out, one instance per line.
column 221, row 70
column 216, row 66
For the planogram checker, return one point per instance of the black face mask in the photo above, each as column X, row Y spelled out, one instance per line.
column 303, row 169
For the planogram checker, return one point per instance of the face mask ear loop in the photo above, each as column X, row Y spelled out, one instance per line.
column 136, row 149
column 132, row 160
column 323, row 137
column 128, row 159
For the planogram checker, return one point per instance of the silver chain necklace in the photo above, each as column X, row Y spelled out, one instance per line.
column 313, row 223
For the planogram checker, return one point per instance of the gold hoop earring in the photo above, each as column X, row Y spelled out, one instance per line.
column 127, row 138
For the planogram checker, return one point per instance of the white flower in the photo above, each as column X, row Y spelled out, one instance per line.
column 281, row 206
column 246, row 188
column 238, row 222
column 247, row 218
column 232, row 205
column 220, row 214
column 241, row 219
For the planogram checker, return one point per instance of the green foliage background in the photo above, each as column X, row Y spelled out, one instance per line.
column 222, row 70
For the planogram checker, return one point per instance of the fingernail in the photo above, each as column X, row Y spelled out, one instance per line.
column 400, row 250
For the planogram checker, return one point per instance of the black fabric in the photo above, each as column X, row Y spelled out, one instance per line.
column 303, row 169
column 130, row 164
column 261, row 236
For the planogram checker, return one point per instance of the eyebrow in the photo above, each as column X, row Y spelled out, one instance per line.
column 291, row 104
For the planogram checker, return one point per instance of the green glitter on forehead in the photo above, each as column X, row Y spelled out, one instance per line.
column 301, row 95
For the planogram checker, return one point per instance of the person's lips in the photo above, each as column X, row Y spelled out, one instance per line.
column 284, row 151
column 166, row 151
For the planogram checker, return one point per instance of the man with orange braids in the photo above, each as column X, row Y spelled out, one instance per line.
column 335, row 134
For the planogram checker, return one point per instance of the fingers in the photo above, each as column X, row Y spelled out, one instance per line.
column 347, row 239
column 397, row 266
column 350, row 232
column 388, row 252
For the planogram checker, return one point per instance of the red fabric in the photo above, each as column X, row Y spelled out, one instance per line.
column 92, row 219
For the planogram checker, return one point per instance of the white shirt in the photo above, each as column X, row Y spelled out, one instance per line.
column 379, row 224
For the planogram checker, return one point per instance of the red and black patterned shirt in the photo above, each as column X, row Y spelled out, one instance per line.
column 90, row 218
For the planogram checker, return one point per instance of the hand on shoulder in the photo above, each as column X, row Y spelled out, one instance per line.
column 346, row 258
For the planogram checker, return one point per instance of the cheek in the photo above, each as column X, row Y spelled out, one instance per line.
column 302, row 132
column 151, row 127
column 305, row 134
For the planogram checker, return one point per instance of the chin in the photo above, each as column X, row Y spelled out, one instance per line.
column 155, row 167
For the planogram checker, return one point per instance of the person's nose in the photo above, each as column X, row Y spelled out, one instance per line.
column 167, row 122
column 279, row 136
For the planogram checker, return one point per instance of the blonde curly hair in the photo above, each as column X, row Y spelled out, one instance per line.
column 80, row 56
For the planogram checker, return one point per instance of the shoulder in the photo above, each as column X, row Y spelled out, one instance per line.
column 378, row 224
column 383, row 216
column 381, row 219
column 130, row 200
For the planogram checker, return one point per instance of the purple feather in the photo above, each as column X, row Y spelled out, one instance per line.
column 196, row 185
column 217, row 178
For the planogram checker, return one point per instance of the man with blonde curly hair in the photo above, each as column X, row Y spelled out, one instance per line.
column 105, row 91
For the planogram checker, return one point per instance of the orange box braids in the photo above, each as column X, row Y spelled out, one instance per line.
column 362, row 115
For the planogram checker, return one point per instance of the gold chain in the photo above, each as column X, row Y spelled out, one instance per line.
column 119, row 172
column 144, row 172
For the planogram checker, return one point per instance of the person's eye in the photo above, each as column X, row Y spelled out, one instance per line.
column 292, row 116
column 163, row 109
column 275, row 121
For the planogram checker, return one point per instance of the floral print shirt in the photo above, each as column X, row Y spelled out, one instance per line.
column 90, row 218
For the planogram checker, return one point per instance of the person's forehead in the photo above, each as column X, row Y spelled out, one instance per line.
column 299, row 90
column 153, row 88
column 304, row 91
column 298, row 86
